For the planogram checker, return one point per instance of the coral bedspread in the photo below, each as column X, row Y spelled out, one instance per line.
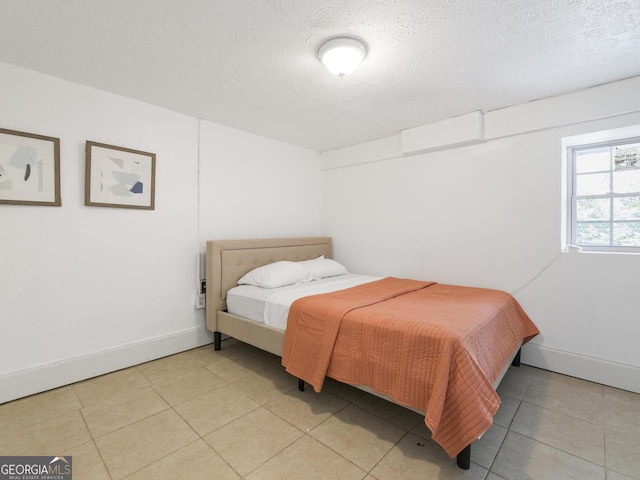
column 434, row 347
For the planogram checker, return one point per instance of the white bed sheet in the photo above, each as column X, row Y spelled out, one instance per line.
column 270, row 306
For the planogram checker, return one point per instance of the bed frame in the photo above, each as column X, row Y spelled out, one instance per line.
column 228, row 260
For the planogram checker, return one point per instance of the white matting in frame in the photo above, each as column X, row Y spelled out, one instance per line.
column 119, row 177
column 29, row 169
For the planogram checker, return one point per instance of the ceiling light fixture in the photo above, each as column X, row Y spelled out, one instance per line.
column 342, row 55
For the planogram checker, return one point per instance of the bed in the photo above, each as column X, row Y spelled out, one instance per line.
column 229, row 260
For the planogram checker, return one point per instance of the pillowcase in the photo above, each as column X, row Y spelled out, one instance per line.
column 324, row 267
column 275, row 275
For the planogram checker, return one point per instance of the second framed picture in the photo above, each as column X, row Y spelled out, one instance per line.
column 119, row 177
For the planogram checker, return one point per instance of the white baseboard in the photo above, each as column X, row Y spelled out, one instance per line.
column 53, row 375
column 46, row 377
column 618, row 375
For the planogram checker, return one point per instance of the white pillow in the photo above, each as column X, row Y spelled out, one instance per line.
column 275, row 275
column 324, row 267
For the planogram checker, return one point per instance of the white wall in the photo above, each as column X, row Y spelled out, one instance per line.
column 489, row 215
column 86, row 290
column 255, row 187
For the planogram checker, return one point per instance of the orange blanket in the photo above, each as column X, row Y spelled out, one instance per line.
column 434, row 347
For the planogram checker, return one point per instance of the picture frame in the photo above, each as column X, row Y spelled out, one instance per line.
column 119, row 177
column 29, row 169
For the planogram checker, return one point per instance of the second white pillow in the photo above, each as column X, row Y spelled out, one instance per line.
column 277, row 274
column 324, row 267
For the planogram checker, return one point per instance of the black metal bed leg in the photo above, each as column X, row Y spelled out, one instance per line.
column 464, row 458
column 301, row 385
column 217, row 341
column 516, row 359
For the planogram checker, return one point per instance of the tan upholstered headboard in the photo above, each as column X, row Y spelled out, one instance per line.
column 228, row 260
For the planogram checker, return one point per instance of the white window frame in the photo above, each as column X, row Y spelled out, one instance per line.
column 571, row 154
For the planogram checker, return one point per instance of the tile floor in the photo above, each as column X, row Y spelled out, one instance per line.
column 236, row 414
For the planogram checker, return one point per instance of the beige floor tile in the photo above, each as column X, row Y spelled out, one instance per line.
column 560, row 421
column 522, row 458
column 215, row 409
column 232, row 347
column 358, row 435
column 342, row 390
column 493, row 476
column 401, row 416
column 276, row 373
column 267, row 385
column 172, row 366
column 195, row 461
column 622, row 452
column 421, row 430
column 611, row 475
column 306, row 410
column 37, row 408
column 516, row 381
column 122, row 410
column 308, row 459
column 175, row 365
column 267, row 357
column 571, row 396
column 485, row 449
column 413, row 458
column 47, row 438
column 105, row 387
column 231, row 370
column 251, row 440
column 86, row 463
column 506, row 412
column 204, row 355
column 179, row 389
column 251, row 360
column 138, row 445
column 567, row 381
column 622, row 410
column 579, row 438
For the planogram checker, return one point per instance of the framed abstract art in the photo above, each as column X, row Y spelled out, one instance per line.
column 119, row 177
column 29, row 169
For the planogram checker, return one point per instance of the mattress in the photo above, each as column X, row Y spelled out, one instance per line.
column 270, row 306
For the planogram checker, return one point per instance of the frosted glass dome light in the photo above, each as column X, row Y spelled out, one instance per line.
column 342, row 55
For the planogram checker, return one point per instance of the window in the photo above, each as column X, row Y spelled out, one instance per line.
column 605, row 196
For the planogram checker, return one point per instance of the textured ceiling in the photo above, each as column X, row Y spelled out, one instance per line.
column 251, row 64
